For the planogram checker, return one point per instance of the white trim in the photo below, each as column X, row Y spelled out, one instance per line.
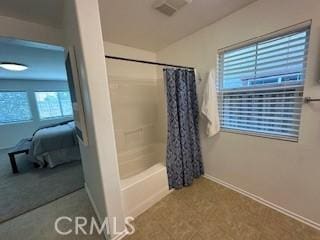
column 265, row 202
column 148, row 202
column 262, row 135
column 116, row 237
column 105, row 233
column 255, row 89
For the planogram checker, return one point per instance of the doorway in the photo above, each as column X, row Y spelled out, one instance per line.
column 40, row 159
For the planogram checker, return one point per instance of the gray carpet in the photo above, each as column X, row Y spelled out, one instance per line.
column 34, row 187
column 39, row 223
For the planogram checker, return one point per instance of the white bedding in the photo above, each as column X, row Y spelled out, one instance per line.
column 55, row 145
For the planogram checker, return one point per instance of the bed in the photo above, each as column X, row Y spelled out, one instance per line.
column 54, row 145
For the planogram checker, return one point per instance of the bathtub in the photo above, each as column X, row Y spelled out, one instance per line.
column 138, row 159
column 143, row 178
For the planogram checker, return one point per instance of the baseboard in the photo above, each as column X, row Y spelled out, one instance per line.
column 265, row 202
column 95, row 209
column 149, row 202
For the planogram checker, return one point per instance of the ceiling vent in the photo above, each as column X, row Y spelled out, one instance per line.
column 169, row 7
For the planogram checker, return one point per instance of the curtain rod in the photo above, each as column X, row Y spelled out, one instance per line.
column 147, row 62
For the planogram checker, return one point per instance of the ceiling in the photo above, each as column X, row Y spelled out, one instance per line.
column 45, row 62
column 131, row 22
column 135, row 23
column 47, row 12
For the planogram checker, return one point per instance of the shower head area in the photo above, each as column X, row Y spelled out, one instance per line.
column 138, row 104
column 155, row 117
column 137, row 100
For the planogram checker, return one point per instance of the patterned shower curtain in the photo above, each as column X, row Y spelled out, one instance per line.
column 184, row 161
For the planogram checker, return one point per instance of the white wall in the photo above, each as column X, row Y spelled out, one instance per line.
column 15, row 28
column 82, row 30
column 137, row 104
column 11, row 27
column 136, row 94
column 119, row 50
column 284, row 173
column 11, row 134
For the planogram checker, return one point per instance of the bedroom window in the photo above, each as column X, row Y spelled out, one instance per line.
column 54, row 104
column 14, row 107
column 261, row 85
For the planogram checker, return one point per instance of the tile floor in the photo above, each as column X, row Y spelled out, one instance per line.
column 209, row 211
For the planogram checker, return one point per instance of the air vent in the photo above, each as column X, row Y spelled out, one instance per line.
column 169, row 7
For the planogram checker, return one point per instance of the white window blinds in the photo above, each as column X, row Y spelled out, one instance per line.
column 261, row 85
column 54, row 104
column 14, row 107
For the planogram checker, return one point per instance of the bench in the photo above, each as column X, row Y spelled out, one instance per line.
column 23, row 146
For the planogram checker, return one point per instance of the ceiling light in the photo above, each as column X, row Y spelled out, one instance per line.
column 17, row 67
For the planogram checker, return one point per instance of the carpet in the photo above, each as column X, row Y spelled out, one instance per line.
column 34, row 187
column 39, row 224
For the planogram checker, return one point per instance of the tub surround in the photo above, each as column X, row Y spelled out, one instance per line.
column 139, row 159
column 137, row 100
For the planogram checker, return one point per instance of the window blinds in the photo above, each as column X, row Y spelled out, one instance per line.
column 14, row 107
column 261, row 85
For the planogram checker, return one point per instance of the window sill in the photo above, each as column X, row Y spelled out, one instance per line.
column 16, row 123
column 252, row 134
column 55, row 118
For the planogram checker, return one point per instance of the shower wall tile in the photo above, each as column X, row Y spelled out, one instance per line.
column 136, row 108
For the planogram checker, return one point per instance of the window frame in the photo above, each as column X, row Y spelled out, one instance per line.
column 29, row 107
column 305, row 26
column 60, row 106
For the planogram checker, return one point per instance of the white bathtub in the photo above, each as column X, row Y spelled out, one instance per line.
column 141, row 191
column 143, row 177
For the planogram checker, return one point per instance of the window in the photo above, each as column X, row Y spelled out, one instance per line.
column 260, row 85
column 65, row 101
column 14, row 107
column 54, row 104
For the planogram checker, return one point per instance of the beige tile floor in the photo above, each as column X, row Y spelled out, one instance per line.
column 208, row 211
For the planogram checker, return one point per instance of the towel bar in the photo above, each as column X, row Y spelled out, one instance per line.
column 309, row 99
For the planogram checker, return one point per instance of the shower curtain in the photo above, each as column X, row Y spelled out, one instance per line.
column 184, row 161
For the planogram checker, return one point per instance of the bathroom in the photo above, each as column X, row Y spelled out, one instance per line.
column 199, row 119
column 254, row 163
